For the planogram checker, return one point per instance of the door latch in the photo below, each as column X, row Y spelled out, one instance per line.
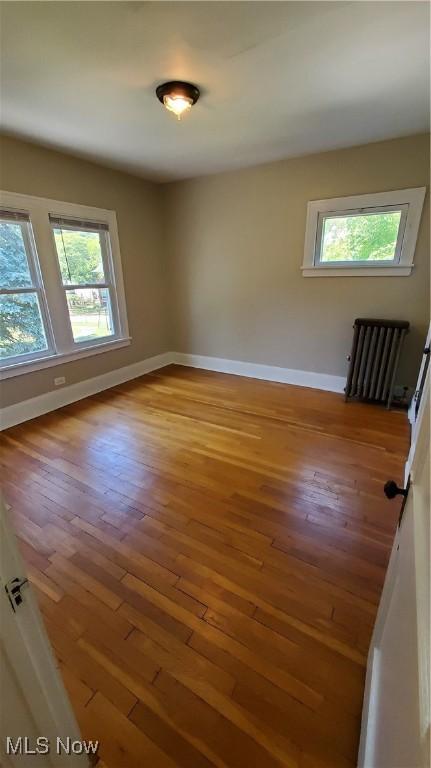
column 391, row 490
column 13, row 590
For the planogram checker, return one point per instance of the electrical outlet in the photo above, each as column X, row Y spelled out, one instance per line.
column 59, row 381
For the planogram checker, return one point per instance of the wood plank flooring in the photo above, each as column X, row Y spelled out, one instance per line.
column 208, row 552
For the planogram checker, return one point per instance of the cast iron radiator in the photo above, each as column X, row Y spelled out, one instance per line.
column 374, row 359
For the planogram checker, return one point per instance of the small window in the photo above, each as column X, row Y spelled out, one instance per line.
column 24, row 323
column 372, row 235
column 83, row 251
column 365, row 239
column 61, row 286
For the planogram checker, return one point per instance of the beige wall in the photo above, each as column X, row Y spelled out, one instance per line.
column 235, row 247
column 33, row 170
column 212, row 266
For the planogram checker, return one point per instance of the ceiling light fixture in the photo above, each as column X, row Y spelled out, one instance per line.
column 178, row 97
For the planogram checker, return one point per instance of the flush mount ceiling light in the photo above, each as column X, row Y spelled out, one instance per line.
column 177, row 96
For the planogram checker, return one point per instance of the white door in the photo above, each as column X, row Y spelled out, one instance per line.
column 396, row 716
column 34, row 703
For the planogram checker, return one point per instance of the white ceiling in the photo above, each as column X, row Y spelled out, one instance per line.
column 278, row 79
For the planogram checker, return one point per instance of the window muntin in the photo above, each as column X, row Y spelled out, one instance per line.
column 24, row 322
column 84, row 257
column 360, row 237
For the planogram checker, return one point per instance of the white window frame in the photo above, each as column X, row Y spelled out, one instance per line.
column 62, row 346
column 37, row 288
column 409, row 201
column 108, row 283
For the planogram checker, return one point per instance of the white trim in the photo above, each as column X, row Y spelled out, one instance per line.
column 417, row 426
column 260, row 371
column 36, row 406
column 29, row 366
column 395, row 270
column 413, row 198
column 412, row 416
column 50, row 401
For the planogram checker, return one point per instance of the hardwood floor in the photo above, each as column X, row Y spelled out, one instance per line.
column 208, row 552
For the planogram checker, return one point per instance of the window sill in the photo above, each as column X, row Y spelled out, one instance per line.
column 400, row 270
column 47, row 362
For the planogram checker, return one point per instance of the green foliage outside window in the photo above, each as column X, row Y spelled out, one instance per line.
column 370, row 237
column 80, row 256
column 21, row 329
column 14, row 272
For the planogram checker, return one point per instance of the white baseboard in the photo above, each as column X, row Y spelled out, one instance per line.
column 50, row 401
column 258, row 371
column 36, row 406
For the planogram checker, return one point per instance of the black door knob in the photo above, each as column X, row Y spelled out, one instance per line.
column 391, row 490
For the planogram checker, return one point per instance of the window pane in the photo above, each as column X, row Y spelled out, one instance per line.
column 90, row 313
column 80, row 256
column 14, row 271
column 21, row 327
column 361, row 237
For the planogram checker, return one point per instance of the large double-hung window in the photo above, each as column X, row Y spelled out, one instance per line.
column 61, row 287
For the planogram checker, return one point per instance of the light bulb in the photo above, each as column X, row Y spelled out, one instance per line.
column 178, row 104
